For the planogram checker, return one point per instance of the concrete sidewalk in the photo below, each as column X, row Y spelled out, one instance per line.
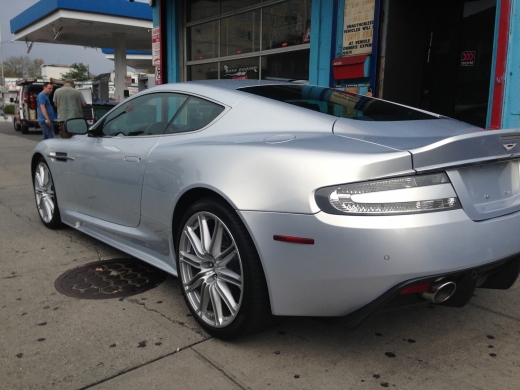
column 51, row 341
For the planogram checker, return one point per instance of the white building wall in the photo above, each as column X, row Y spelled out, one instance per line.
column 53, row 71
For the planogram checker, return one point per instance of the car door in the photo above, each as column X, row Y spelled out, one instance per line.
column 108, row 169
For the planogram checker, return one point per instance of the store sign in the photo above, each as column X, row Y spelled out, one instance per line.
column 158, row 75
column 239, row 73
column 156, row 46
column 358, row 27
column 467, row 58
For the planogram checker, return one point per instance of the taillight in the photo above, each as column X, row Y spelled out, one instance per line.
column 25, row 98
column 400, row 195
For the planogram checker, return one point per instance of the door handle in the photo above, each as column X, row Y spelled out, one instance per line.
column 132, row 159
column 60, row 156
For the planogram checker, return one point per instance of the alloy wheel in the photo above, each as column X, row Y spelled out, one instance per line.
column 211, row 270
column 44, row 192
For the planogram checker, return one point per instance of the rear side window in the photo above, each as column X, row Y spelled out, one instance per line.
column 338, row 103
column 195, row 114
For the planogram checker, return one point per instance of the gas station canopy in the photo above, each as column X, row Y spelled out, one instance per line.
column 119, row 24
column 90, row 23
column 134, row 58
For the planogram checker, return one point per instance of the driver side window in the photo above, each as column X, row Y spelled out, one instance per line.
column 145, row 115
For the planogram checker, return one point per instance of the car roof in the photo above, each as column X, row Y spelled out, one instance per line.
column 224, row 91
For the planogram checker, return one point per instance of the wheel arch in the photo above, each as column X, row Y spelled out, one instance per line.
column 187, row 199
column 34, row 162
column 195, row 194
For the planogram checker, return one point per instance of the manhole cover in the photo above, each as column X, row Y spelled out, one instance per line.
column 109, row 279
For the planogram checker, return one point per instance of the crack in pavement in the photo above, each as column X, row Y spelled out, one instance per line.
column 229, row 376
column 494, row 312
column 122, row 372
column 181, row 323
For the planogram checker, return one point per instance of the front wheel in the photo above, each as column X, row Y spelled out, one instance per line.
column 25, row 129
column 222, row 279
column 45, row 196
column 16, row 125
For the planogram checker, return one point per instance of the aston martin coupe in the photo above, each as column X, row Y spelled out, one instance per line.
column 290, row 199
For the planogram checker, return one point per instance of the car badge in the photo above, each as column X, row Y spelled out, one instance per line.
column 508, row 147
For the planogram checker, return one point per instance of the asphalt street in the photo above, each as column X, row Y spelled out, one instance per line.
column 52, row 341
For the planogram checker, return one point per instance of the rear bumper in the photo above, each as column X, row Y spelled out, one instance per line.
column 357, row 260
column 499, row 275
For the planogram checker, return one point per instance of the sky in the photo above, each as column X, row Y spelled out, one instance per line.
column 48, row 52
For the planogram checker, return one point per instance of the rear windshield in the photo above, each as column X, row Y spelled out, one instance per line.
column 338, row 103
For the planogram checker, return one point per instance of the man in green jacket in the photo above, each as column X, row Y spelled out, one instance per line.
column 69, row 103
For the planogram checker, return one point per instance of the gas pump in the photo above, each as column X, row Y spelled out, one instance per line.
column 100, row 88
column 145, row 81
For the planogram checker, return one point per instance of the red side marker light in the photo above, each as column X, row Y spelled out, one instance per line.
column 418, row 288
column 294, row 240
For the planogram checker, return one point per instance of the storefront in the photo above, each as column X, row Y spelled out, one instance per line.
column 446, row 56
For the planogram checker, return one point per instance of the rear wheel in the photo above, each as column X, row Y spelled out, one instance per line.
column 45, row 196
column 221, row 276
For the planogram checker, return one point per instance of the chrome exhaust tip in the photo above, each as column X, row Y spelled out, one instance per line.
column 440, row 291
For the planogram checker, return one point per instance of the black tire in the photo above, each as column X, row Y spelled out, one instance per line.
column 16, row 125
column 228, row 295
column 25, row 129
column 45, row 196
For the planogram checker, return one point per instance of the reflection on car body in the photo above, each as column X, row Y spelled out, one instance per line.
column 290, row 199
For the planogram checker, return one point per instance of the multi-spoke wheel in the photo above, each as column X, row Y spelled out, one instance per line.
column 221, row 276
column 45, row 196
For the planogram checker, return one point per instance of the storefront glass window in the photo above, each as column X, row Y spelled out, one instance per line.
column 240, row 34
column 203, row 71
column 201, row 9
column 277, row 36
column 203, row 40
column 287, row 24
column 233, row 5
column 293, row 65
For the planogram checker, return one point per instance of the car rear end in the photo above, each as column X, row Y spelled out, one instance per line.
column 385, row 237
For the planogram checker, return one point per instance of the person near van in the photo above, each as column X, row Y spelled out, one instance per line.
column 69, row 103
column 45, row 111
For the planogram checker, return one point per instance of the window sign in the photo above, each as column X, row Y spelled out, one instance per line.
column 358, row 27
column 156, row 46
column 246, row 68
column 467, row 58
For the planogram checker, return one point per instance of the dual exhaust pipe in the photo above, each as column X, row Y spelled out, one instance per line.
column 439, row 291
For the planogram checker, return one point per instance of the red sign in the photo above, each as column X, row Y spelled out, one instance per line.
column 156, row 46
column 158, row 77
column 467, row 58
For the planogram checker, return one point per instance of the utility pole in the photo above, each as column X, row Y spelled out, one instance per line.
column 2, row 64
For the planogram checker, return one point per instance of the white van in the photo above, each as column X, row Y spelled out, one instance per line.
column 25, row 110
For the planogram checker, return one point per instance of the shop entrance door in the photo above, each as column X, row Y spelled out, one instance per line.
column 439, row 56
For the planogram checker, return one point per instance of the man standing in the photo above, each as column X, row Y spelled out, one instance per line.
column 45, row 111
column 69, row 103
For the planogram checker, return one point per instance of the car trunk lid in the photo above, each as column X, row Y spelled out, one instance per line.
column 483, row 165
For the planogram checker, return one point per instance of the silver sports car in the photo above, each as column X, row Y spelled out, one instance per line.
column 290, row 199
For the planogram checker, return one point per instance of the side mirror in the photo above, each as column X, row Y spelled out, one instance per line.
column 76, row 126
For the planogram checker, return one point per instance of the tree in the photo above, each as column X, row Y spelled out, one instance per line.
column 22, row 66
column 78, row 72
column 147, row 70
